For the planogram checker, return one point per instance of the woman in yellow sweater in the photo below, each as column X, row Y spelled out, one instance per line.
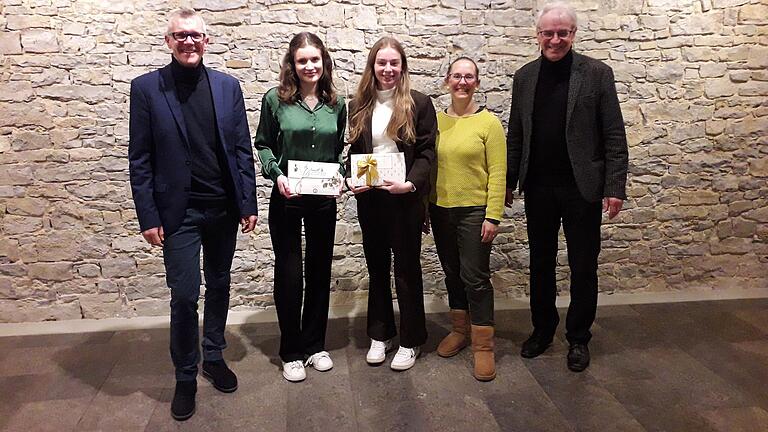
column 467, row 202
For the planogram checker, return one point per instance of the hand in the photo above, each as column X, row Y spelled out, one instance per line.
column 357, row 189
column 154, row 236
column 509, row 197
column 284, row 188
column 248, row 223
column 397, row 188
column 488, row 231
column 612, row 206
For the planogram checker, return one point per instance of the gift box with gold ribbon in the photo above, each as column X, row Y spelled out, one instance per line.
column 375, row 168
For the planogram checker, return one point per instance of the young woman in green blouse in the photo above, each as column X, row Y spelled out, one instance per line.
column 302, row 119
column 466, row 204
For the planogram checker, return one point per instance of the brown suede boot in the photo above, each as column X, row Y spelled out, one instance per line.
column 458, row 338
column 482, row 347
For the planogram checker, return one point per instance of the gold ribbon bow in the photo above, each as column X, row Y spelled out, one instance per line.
column 367, row 166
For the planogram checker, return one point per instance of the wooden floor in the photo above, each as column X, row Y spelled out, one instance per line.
column 697, row 366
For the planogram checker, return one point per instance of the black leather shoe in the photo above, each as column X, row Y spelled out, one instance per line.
column 578, row 357
column 535, row 345
column 222, row 378
column 183, row 405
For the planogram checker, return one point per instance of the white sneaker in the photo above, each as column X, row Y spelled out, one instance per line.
column 377, row 353
column 294, row 371
column 321, row 361
column 405, row 358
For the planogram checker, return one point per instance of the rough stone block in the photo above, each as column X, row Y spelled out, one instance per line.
column 717, row 88
column 218, row 5
column 39, row 41
column 97, row 306
column 26, row 206
column 21, row 22
column 753, row 14
column 10, row 42
column 51, row 271
column 712, row 70
column 346, row 39
column 32, row 311
column 118, row 267
column 88, row 270
column 759, row 167
column 12, row 224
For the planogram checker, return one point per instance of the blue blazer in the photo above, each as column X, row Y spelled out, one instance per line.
column 158, row 151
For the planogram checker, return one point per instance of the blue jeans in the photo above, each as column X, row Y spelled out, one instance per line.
column 215, row 229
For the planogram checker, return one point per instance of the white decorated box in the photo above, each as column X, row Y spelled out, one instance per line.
column 313, row 178
column 388, row 166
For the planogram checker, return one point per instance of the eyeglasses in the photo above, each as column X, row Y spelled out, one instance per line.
column 549, row 34
column 182, row 36
column 469, row 78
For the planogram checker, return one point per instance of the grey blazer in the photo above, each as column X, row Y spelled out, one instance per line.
column 595, row 137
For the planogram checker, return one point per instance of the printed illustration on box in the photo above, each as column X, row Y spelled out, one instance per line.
column 314, row 178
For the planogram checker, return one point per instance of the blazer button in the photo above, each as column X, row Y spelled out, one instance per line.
column 187, row 163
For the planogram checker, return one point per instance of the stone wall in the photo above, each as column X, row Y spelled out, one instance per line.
column 693, row 83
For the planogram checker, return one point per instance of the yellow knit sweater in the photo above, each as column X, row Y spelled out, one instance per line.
column 471, row 163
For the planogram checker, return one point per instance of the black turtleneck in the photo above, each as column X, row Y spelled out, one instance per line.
column 550, row 164
column 206, row 160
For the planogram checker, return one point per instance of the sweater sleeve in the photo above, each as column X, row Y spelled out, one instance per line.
column 266, row 140
column 496, row 160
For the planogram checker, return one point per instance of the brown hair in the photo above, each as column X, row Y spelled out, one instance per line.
column 288, row 90
column 401, row 124
column 450, row 66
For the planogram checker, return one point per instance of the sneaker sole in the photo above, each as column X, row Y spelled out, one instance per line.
column 405, row 368
column 402, row 368
column 182, row 417
column 208, row 376
column 375, row 362
column 321, row 370
column 293, row 380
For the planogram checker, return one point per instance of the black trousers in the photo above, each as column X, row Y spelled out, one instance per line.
column 215, row 229
column 302, row 332
column 391, row 226
column 545, row 208
column 465, row 260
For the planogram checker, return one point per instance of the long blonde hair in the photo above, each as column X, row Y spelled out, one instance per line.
column 401, row 126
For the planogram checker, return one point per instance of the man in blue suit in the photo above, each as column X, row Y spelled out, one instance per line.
column 193, row 179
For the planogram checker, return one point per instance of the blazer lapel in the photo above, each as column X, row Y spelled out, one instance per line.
column 168, row 87
column 368, row 137
column 530, row 89
column 577, row 77
column 217, row 94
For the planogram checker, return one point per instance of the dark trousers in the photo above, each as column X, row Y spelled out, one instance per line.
column 545, row 207
column 302, row 333
column 465, row 260
column 215, row 229
column 391, row 226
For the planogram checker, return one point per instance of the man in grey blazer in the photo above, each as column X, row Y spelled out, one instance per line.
column 567, row 150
